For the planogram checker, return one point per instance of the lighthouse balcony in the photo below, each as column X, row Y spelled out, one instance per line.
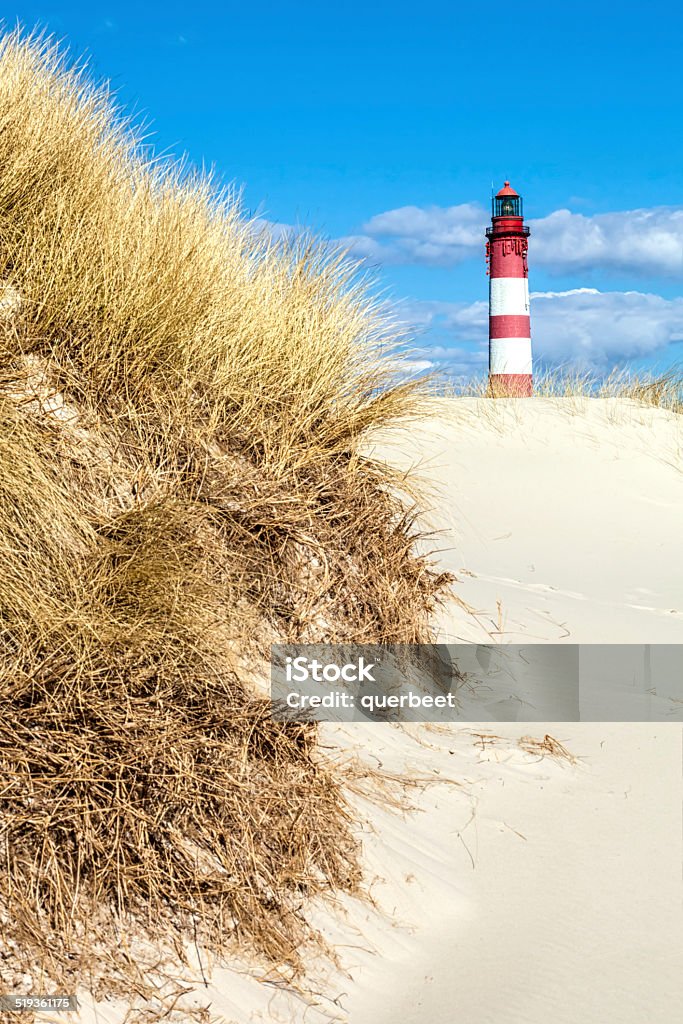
column 507, row 226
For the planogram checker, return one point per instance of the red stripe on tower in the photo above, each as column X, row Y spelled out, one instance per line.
column 510, row 373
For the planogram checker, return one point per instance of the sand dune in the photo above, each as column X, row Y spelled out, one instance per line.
column 561, row 517
column 526, row 889
column 539, row 891
column 560, row 898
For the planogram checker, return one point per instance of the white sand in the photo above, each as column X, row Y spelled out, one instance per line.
column 541, row 892
column 534, row 890
column 567, row 512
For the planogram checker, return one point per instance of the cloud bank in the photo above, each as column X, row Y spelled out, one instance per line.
column 584, row 327
column 643, row 242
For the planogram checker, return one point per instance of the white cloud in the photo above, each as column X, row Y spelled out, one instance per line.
column 434, row 235
column 644, row 241
column 595, row 330
column 415, row 366
column 273, row 229
column 636, row 241
column 582, row 327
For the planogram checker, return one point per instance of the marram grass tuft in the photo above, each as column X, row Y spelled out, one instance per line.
column 663, row 390
column 183, row 403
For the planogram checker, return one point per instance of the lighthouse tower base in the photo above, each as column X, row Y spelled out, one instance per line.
column 510, row 385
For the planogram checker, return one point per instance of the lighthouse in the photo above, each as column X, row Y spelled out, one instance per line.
column 509, row 323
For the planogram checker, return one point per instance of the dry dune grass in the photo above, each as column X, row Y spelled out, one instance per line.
column 182, row 403
column 664, row 391
column 548, row 746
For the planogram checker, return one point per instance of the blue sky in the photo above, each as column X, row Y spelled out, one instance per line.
column 384, row 124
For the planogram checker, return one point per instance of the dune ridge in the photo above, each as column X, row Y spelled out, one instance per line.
column 182, row 401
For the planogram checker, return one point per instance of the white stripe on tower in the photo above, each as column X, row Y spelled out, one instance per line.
column 509, row 296
column 510, row 355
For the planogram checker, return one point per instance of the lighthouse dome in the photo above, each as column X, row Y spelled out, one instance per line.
column 506, row 190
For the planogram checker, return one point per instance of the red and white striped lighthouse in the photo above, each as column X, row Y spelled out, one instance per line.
column 509, row 324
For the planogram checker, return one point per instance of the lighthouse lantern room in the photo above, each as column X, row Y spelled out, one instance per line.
column 510, row 373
